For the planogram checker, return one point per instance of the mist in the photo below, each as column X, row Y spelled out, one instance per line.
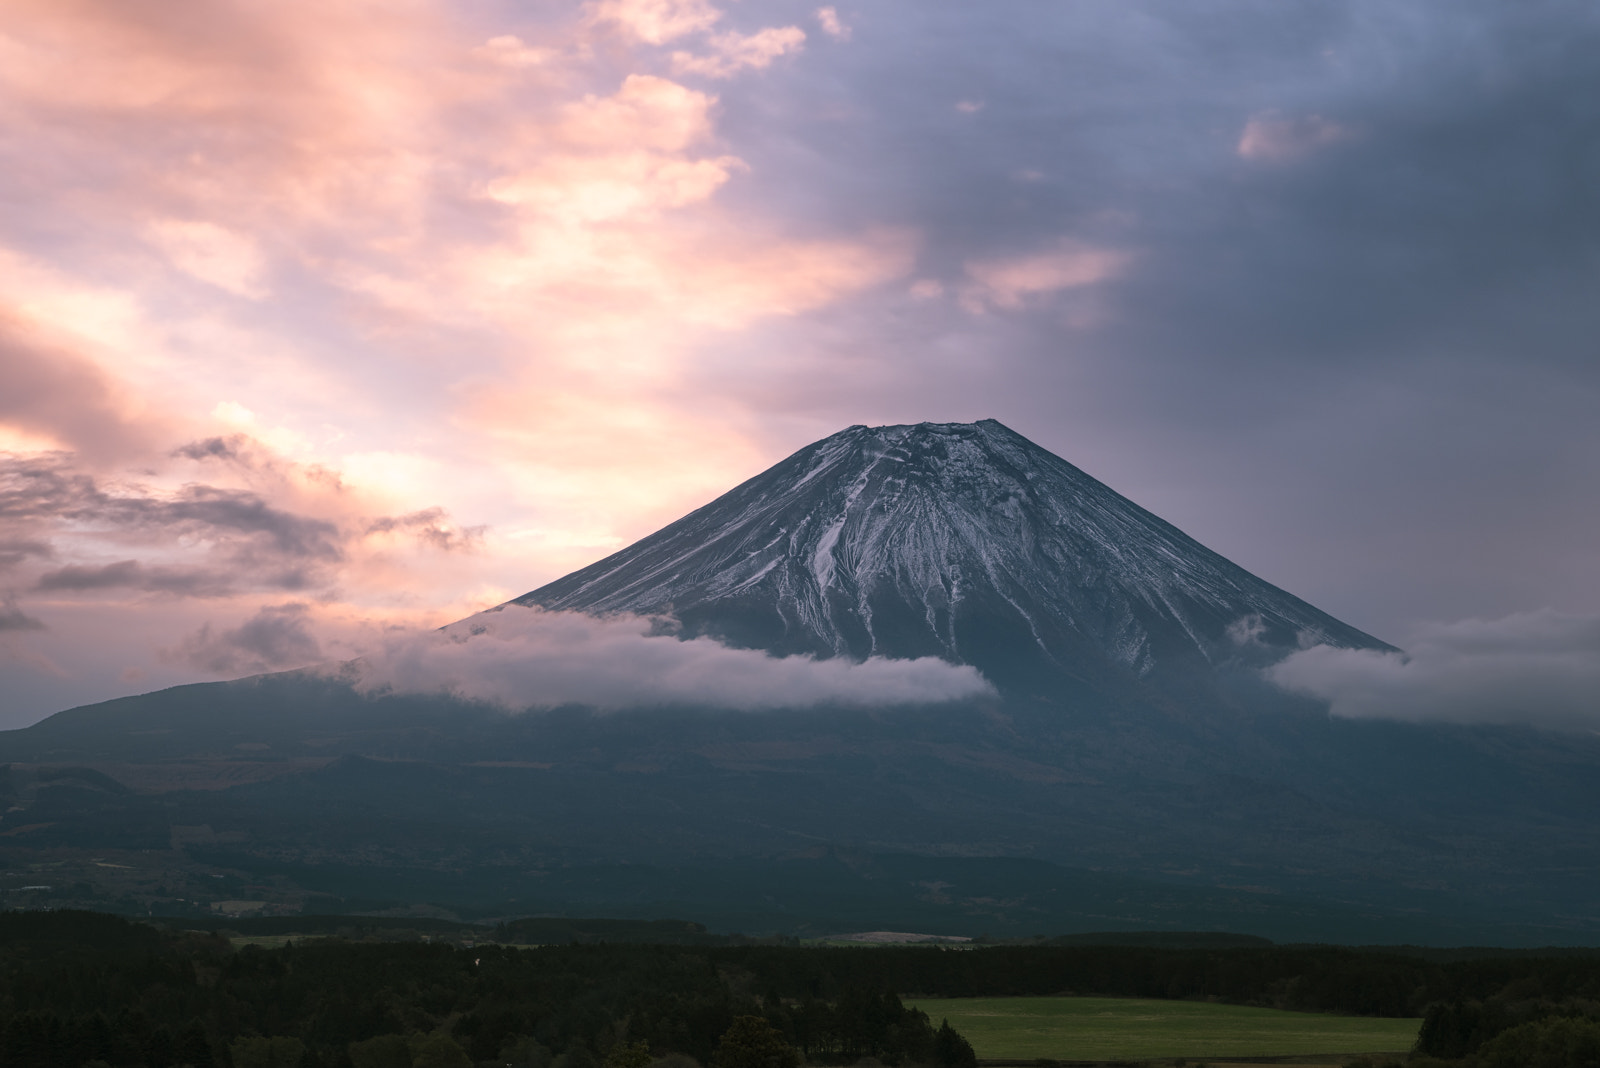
column 1541, row 669
column 526, row 658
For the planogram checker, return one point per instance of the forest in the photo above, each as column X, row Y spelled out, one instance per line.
column 79, row 988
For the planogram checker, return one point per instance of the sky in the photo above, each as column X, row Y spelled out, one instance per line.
column 323, row 323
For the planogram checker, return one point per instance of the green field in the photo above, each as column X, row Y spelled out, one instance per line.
column 1080, row 1029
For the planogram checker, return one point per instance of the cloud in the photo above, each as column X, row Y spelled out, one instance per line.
column 510, row 255
column 660, row 21
column 14, row 551
column 212, row 254
column 13, row 618
column 407, row 185
column 131, row 574
column 51, row 391
column 656, row 21
column 522, row 658
column 432, row 527
column 199, row 539
column 509, row 50
column 1006, row 283
column 832, row 25
column 245, row 541
column 209, row 510
column 1276, row 138
column 1536, row 668
column 233, row 448
column 1247, row 631
column 275, row 638
column 734, row 52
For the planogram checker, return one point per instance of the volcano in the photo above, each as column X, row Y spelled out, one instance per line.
column 1132, row 770
column 964, row 541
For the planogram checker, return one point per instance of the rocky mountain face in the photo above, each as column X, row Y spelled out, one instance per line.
column 964, row 541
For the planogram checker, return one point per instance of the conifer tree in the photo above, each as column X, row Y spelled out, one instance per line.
column 752, row 1042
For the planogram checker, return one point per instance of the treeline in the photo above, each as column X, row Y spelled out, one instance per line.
column 1356, row 982
column 80, row 988
column 1515, row 1028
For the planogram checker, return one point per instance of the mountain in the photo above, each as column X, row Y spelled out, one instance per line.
column 1134, row 771
column 964, row 541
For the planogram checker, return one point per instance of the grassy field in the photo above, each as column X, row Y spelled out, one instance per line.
column 1079, row 1029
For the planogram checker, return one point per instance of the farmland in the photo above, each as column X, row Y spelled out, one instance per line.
column 1075, row 1028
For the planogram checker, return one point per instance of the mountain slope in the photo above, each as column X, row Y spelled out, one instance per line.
column 1132, row 772
column 963, row 541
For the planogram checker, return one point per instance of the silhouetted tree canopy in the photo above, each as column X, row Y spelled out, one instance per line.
column 752, row 1042
column 80, row 988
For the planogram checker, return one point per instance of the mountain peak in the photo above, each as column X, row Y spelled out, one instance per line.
column 965, row 541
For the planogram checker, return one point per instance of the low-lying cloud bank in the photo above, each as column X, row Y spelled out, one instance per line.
column 522, row 658
column 1536, row 668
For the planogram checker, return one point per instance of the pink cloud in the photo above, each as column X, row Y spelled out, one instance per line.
column 54, row 398
column 1008, row 283
column 734, row 52
column 656, row 21
column 1274, row 138
column 832, row 25
column 412, row 260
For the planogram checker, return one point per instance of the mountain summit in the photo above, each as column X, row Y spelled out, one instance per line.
column 964, row 541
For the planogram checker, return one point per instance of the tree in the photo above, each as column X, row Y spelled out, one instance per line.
column 629, row 1055
column 523, row 1052
column 385, row 1051
column 753, row 1043
column 194, row 1049
column 276, row 1052
column 1557, row 1043
column 439, row 1050
column 950, row 1050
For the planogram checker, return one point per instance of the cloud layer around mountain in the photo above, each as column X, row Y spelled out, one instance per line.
column 1535, row 668
column 521, row 658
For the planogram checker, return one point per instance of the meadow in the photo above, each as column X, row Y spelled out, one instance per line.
column 1078, row 1028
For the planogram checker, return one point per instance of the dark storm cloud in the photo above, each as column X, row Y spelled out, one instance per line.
column 274, row 638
